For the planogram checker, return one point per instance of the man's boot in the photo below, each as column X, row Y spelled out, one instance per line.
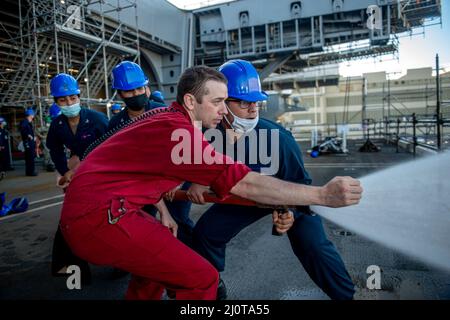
column 221, row 290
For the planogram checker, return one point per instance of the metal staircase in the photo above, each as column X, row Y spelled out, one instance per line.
column 96, row 81
column 70, row 36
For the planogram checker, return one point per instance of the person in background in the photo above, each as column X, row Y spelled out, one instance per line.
column 157, row 99
column 54, row 111
column 72, row 131
column 115, row 108
column 131, row 84
column 4, row 141
column 29, row 142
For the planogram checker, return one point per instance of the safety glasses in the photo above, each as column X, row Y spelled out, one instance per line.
column 246, row 104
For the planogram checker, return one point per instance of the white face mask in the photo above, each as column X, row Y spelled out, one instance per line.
column 241, row 125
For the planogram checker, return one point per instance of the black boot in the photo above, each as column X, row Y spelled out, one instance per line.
column 62, row 257
column 221, row 290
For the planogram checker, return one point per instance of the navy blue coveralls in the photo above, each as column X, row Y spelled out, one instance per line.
column 122, row 117
column 220, row 223
column 5, row 163
column 91, row 126
column 27, row 134
column 178, row 209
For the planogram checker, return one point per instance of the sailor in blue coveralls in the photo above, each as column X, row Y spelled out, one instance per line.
column 157, row 98
column 29, row 142
column 5, row 163
column 220, row 223
column 75, row 128
column 115, row 109
column 71, row 131
column 132, row 87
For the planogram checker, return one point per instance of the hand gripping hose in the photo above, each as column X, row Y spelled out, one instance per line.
column 181, row 195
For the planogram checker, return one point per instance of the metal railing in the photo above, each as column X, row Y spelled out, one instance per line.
column 415, row 130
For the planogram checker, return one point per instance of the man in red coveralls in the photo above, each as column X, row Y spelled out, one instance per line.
column 102, row 218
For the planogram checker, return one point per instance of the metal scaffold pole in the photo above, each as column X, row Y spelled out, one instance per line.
column 20, row 26
column 137, row 34
column 79, row 37
column 56, row 37
column 363, row 113
column 438, row 105
column 105, row 67
column 38, row 82
column 86, row 79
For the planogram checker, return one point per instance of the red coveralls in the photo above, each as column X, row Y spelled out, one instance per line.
column 130, row 169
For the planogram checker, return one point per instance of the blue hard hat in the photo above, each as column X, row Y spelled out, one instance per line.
column 116, row 106
column 158, row 94
column 29, row 112
column 243, row 81
column 2, row 120
column 63, row 85
column 54, row 111
column 128, row 75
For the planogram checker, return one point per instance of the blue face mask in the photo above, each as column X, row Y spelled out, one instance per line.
column 71, row 111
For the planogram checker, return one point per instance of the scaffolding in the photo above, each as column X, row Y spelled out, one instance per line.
column 429, row 129
column 78, row 37
column 415, row 13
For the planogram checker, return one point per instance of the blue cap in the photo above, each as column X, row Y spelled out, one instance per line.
column 116, row 106
column 158, row 95
column 63, row 85
column 243, row 81
column 29, row 112
column 128, row 75
column 54, row 111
